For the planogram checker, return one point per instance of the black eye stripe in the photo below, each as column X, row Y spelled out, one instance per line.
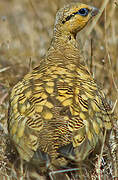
column 69, row 17
column 72, row 15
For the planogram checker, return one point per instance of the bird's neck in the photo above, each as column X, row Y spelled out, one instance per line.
column 62, row 37
column 64, row 48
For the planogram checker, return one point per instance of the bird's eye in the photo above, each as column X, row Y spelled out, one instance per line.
column 83, row 12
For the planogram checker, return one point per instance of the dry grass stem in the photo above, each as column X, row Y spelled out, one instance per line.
column 26, row 29
column 97, row 17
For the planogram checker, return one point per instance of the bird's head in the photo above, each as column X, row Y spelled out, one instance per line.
column 73, row 17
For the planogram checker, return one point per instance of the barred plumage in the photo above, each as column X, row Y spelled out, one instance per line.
column 57, row 112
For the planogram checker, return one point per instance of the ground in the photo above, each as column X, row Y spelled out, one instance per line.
column 26, row 29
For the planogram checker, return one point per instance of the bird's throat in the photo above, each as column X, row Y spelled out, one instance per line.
column 65, row 44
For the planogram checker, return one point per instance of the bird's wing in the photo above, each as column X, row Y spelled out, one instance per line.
column 24, row 121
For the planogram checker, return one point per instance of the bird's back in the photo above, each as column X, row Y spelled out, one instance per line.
column 57, row 112
column 55, row 105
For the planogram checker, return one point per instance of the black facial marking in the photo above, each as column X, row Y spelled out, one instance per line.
column 82, row 12
column 68, row 18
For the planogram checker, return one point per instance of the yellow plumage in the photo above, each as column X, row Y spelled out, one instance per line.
column 57, row 110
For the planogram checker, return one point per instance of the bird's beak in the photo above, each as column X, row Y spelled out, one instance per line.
column 94, row 11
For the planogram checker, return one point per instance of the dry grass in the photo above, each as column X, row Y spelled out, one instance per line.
column 25, row 34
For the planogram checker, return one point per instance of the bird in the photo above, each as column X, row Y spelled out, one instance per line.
column 57, row 113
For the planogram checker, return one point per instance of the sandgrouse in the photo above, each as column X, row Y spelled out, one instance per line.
column 57, row 113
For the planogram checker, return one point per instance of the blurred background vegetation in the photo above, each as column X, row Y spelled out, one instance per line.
column 26, row 29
